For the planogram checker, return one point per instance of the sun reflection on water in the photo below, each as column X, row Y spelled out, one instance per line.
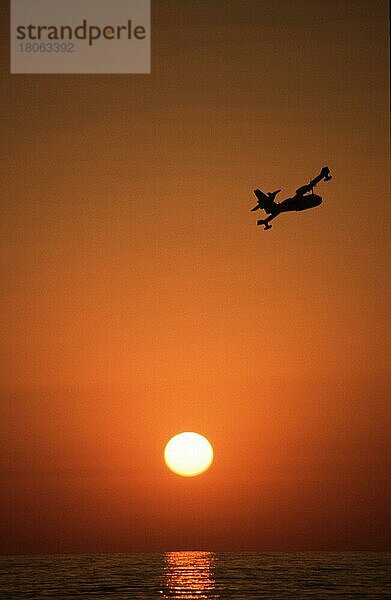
column 189, row 575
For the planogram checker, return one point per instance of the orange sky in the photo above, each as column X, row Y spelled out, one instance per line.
column 139, row 299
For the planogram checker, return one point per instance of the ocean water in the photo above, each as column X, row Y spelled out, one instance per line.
column 197, row 575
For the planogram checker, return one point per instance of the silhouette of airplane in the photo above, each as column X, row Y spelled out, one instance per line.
column 302, row 199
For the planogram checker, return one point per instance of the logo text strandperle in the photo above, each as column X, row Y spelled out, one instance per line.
column 81, row 32
column 80, row 36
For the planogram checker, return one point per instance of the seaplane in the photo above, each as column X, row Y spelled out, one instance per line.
column 303, row 199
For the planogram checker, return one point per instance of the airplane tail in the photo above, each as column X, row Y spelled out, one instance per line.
column 265, row 202
column 270, row 207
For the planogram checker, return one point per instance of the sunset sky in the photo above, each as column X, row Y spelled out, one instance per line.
column 139, row 299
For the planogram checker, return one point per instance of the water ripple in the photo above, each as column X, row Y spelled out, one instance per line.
column 197, row 575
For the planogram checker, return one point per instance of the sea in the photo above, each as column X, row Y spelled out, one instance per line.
column 197, row 575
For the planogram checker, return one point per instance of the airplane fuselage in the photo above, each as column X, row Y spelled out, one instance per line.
column 298, row 203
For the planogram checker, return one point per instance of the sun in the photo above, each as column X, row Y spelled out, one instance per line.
column 188, row 454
